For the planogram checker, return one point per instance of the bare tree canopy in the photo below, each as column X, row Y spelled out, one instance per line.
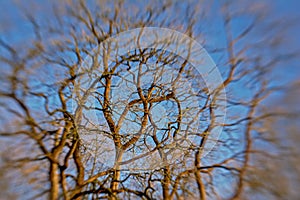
column 160, row 100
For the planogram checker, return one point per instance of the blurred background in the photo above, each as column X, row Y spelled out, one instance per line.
column 255, row 45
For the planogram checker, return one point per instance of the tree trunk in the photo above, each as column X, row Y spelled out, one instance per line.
column 116, row 176
column 54, row 180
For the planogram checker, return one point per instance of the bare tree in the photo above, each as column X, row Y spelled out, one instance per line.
column 88, row 116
